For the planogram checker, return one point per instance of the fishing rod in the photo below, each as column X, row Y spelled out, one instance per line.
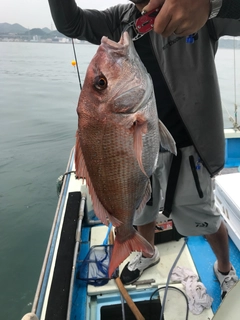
column 76, row 63
column 235, row 124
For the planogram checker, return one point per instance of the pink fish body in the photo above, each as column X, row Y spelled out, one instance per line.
column 118, row 140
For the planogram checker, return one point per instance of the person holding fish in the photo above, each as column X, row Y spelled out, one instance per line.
column 121, row 145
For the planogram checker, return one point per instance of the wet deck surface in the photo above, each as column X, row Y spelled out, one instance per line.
column 230, row 170
column 204, row 259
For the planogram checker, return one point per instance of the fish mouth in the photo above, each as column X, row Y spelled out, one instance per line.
column 123, row 42
column 125, row 48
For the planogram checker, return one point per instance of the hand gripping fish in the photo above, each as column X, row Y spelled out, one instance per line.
column 117, row 141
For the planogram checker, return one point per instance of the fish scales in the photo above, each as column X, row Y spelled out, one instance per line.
column 117, row 141
column 114, row 169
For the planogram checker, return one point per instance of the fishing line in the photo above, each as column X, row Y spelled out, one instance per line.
column 75, row 56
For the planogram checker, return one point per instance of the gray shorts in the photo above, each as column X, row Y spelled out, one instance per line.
column 191, row 214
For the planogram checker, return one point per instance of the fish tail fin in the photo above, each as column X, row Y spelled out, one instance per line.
column 121, row 250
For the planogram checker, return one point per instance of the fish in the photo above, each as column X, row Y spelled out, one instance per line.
column 118, row 140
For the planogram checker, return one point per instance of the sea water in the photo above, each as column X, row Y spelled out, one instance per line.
column 39, row 92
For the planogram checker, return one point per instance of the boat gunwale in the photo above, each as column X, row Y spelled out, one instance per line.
column 40, row 293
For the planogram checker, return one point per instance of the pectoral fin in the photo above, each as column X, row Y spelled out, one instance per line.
column 167, row 141
column 139, row 128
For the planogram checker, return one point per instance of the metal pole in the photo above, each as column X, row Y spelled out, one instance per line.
column 76, row 250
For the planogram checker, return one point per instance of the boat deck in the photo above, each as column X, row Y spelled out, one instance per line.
column 197, row 256
column 89, row 302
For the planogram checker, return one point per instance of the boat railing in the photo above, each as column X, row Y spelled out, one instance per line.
column 32, row 315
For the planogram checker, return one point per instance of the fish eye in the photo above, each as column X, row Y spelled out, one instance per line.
column 100, row 82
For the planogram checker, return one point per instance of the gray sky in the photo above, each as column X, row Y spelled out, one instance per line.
column 36, row 13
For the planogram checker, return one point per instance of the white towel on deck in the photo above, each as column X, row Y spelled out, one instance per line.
column 198, row 299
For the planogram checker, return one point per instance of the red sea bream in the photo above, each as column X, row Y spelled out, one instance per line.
column 117, row 141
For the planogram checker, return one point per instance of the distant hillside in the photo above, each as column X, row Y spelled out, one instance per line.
column 8, row 29
column 17, row 31
column 43, row 34
column 56, row 33
column 35, row 32
column 229, row 43
column 12, row 28
column 46, row 30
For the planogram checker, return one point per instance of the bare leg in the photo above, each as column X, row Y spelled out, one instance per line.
column 147, row 232
column 219, row 244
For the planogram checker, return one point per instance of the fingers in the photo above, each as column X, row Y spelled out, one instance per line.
column 182, row 17
column 165, row 23
column 153, row 4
